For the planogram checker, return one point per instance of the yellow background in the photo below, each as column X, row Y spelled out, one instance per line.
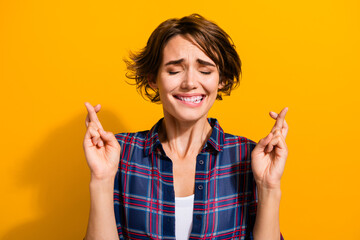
column 55, row 55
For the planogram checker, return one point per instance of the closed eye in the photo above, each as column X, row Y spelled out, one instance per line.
column 206, row 73
column 173, row 73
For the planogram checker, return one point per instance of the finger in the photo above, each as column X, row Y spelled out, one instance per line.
column 92, row 117
column 276, row 141
column 87, row 135
column 94, row 135
column 270, row 145
column 285, row 127
column 92, row 110
column 264, row 142
column 100, row 142
column 280, row 118
column 274, row 115
column 269, row 148
column 97, row 140
column 87, row 120
column 97, row 108
column 109, row 138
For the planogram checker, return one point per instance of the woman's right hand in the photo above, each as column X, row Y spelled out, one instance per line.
column 102, row 150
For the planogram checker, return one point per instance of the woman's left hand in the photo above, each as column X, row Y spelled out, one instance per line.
column 269, row 155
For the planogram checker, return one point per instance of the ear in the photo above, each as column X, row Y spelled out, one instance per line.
column 152, row 81
column 221, row 84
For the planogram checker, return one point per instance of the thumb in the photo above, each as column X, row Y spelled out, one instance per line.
column 264, row 142
column 108, row 138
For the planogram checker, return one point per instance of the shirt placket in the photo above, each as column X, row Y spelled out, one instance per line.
column 167, row 198
column 200, row 191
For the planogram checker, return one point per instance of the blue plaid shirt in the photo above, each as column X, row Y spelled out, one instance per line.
column 225, row 192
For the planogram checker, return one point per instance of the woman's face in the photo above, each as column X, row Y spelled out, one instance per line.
column 188, row 80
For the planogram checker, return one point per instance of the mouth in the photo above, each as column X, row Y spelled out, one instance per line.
column 193, row 99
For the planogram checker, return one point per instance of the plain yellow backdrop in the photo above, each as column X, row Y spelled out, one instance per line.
column 55, row 55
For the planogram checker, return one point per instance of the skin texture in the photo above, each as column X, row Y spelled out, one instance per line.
column 102, row 152
column 268, row 163
column 186, row 71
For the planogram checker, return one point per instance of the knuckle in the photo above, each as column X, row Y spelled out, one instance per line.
column 93, row 125
column 94, row 133
column 278, row 139
column 276, row 132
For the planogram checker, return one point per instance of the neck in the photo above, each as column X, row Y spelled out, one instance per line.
column 184, row 138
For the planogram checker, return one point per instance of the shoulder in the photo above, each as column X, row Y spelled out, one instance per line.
column 237, row 149
column 138, row 137
column 231, row 145
column 231, row 140
column 132, row 138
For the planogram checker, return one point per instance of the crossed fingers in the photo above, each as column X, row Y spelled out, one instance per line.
column 93, row 124
column 280, row 123
column 278, row 132
column 91, row 116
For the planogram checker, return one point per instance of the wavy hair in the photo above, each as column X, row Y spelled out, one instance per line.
column 215, row 42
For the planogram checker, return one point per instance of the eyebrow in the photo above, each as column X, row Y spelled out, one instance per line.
column 202, row 62
column 174, row 62
column 178, row 61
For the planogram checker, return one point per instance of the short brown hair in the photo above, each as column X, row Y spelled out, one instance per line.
column 215, row 42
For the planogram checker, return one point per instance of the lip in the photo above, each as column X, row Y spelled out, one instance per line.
column 189, row 94
column 179, row 97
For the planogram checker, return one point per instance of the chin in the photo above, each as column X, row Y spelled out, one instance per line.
column 188, row 116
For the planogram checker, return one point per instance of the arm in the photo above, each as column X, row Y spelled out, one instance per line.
column 267, row 216
column 102, row 152
column 268, row 163
column 101, row 223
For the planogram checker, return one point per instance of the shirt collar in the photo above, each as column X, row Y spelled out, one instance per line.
column 216, row 140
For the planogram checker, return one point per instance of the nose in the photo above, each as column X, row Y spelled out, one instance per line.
column 189, row 80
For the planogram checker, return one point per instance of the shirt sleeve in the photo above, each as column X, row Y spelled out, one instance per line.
column 117, row 193
column 117, row 197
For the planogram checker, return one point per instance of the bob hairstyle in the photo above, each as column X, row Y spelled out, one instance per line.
column 215, row 42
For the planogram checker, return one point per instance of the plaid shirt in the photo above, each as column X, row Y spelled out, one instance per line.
column 225, row 192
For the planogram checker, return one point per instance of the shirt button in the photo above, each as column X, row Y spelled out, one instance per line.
column 200, row 187
column 201, row 162
column 198, row 217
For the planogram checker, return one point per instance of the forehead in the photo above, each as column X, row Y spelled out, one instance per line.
column 179, row 47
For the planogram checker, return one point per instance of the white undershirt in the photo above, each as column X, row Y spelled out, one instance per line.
column 183, row 216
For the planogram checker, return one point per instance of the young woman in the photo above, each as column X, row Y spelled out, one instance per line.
column 185, row 178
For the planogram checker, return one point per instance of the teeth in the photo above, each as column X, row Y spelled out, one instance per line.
column 191, row 99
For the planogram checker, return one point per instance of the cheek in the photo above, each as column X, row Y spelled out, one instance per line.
column 168, row 85
column 213, row 85
column 165, row 90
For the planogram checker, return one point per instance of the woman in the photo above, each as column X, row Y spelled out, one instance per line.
column 185, row 178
